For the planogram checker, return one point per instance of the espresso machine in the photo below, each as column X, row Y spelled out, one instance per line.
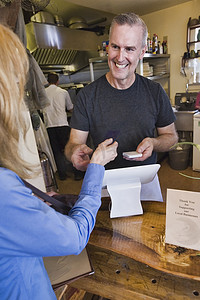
column 186, row 107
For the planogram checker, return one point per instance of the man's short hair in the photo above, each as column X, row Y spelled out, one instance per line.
column 52, row 78
column 131, row 19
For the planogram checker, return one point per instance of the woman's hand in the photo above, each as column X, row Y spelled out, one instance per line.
column 105, row 152
column 81, row 157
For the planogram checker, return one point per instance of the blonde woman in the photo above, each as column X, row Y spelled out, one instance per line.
column 30, row 229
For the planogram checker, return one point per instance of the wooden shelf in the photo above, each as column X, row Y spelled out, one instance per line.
column 150, row 55
column 193, row 42
column 157, row 77
column 156, row 60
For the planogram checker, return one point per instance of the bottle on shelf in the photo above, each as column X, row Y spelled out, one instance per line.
column 164, row 44
column 150, row 47
column 104, row 47
column 198, row 36
column 160, row 48
column 155, row 43
column 149, row 44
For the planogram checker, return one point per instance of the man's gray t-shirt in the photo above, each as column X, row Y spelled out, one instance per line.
column 127, row 115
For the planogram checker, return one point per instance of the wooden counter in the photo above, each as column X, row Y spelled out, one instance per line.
column 132, row 261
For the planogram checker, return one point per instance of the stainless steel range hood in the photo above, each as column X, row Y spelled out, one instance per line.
column 57, row 47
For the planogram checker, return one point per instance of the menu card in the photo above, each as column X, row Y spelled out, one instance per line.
column 65, row 269
column 183, row 219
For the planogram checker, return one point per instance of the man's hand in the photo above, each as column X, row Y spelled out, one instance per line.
column 80, row 157
column 145, row 148
column 105, row 152
column 167, row 137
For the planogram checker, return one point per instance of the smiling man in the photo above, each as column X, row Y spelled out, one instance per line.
column 126, row 48
column 122, row 104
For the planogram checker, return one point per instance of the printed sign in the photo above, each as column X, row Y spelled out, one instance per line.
column 183, row 219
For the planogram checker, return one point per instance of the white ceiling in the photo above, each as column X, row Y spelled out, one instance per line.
column 140, row 7
column 93, row 9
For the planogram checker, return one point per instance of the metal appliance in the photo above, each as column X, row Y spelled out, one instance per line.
column 61, row 48
column 186, row 101
column 185, row 104
column 196, row 140
column 48, row 174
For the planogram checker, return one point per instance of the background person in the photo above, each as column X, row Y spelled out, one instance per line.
column 55, row 119
column 29, row 228
column 123, row 104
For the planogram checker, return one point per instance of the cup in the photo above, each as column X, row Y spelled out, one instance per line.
column 197, row 77
column 186, row 55
column 192, row 54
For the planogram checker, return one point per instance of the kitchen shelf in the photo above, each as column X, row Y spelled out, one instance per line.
column 150, row 55
column 192, row 38
column 158, row 77
column 193, row 42
column 157, row 60
column 187, row 58
column 194, row 26
column 94, row 60
column 99, row 59
column 194, row 84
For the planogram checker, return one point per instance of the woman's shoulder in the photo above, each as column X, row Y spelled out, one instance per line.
column 8, row 178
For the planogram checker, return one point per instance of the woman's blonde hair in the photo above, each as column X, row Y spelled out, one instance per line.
column 13, row 73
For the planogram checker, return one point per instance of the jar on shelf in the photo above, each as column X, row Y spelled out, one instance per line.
column 164, row 44
column 160, row 48
column 198, row 36
column 155, row 43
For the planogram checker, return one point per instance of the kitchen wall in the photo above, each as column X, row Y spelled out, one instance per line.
column 172, row 22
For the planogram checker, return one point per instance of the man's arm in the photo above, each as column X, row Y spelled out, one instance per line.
column 77, row 151
column 167, row 137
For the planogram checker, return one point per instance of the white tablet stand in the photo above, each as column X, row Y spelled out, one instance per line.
column 124, row 188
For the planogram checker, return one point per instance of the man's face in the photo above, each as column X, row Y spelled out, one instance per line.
column 125, row 50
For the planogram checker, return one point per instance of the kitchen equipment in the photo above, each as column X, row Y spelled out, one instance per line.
column 43, row 17
column 193, row 22
column 34, row 5
column 58, row 20
column 48, row 174
column 184, row 120
column 186, row 101
column 185, row 104
column 77, row 23
column 186, row 108
column 4, row 3
column 61, row 48
column 192, row 54
column 196, row 140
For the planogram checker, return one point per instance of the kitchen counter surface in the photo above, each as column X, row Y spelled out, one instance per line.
column 130, row 257
column 132, row 261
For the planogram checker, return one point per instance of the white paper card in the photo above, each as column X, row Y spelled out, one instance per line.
column 183, row 219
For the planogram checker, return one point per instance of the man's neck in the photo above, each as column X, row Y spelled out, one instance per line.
column 119, row 84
